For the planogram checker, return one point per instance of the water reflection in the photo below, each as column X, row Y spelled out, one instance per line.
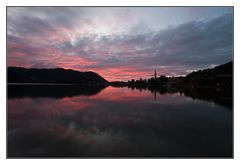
column 215, row 95
column 115, row 122
column 55, row 91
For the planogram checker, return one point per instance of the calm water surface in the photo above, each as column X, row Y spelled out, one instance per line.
column 114, row 122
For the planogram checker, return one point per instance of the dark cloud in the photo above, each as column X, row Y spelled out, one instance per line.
column 43, row 36
column 195, row 44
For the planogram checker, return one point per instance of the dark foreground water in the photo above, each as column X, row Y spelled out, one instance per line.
column 74, row 121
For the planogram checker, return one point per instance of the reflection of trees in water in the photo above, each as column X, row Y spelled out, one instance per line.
column 54, row 91
column 221, row 97
column 218, row 96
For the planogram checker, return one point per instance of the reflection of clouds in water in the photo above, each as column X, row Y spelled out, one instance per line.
column 45, row 107
column 101, row 126
column 213, row 104
column 72, row 126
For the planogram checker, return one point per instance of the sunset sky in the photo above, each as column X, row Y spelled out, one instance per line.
column 120, row 43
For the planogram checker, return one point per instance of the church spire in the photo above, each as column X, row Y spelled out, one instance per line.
column 155, row 74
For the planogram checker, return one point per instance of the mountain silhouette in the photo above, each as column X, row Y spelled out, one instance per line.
column 223, row 69
column 57, row 75
column 221, row 75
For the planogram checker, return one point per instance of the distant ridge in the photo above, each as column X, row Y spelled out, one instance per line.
column 56, row 75
column 221, row 75
column 224, row 69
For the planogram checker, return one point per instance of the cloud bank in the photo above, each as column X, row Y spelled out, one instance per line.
column 120, row 43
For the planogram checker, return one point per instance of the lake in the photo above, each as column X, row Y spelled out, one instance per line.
column 83, row 121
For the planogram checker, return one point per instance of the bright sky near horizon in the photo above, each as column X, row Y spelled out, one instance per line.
column 120, row 43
